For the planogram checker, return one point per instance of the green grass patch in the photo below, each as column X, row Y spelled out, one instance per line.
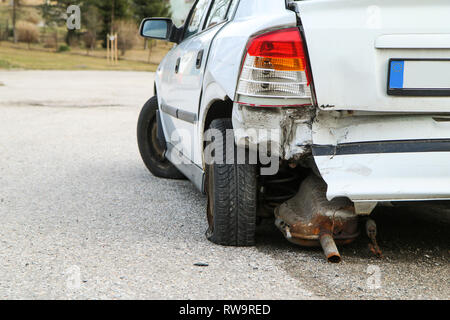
column 63, row 48
column 14, row 57
column 4, row 64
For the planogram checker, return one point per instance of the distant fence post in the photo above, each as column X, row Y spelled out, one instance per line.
column 107, row 48
column 112, row 53
column 116, row 37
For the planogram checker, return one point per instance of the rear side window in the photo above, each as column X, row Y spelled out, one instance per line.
column 198, row 12
column 219, row 12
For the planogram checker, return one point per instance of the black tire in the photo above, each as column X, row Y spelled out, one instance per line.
column 232, row 196
column 151, row 151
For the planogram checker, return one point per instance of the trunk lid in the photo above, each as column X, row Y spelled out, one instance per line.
column 354, row 46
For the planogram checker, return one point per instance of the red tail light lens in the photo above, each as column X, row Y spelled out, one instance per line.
column 276, row 67
column 278, row 44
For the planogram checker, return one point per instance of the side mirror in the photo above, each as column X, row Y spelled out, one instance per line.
column 157, row 28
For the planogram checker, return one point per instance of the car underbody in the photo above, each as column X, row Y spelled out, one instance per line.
column 352, row 156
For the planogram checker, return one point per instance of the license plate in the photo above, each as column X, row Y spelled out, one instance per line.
column 416, row 77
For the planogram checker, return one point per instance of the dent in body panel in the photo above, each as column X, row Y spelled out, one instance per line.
column 288, row 131
column 409, row 160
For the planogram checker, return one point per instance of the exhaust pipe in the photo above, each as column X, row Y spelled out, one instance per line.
column 329, row 248
column 309, row 219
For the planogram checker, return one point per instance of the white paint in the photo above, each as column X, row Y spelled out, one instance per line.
column 393, row 177
column 383, row 177
column 349, row 72
column 224, row 46
column 350, row 44
column 427, row 75
column 413, row 41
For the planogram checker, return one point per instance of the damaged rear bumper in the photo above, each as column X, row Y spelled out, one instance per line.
column 365, row 157
column 286, row 132
column 383, row 158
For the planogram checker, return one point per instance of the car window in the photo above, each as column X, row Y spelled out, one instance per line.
column 218, row 12
column 193, row 25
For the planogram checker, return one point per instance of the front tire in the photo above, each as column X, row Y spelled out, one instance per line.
column 232, row 194
column 152, row 152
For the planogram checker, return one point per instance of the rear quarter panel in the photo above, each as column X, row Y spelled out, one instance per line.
column 228, row 48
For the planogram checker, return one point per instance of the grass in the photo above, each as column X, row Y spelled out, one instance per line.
column 19, row 57
column 6, row 65
column 136, row 54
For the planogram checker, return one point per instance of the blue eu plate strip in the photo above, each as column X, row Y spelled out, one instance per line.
column 397, row 72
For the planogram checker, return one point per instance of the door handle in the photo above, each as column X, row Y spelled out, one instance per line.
column 177, row 65
column 199, row 60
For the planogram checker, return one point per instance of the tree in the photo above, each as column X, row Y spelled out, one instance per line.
column 93, row 26
column 72, row 35
column 107, row 12
column 155, row 8
column 54, row 13
column 48, row 13
column 144, row 9
column 15, row 9
column 127, row 32
column 110, row 11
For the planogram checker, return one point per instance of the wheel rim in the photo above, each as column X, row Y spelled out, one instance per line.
column 158, row 151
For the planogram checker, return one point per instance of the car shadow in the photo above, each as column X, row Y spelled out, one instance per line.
column 404, row 235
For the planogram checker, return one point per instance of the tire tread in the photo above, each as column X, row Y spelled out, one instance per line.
column 235, row 188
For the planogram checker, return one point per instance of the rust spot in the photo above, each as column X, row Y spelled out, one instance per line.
column 309, row 219
column 375, row 250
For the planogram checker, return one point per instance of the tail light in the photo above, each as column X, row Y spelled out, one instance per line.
column 275, row 67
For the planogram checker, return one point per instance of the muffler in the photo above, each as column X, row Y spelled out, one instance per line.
column 309, row 219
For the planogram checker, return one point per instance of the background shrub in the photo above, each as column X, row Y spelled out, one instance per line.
column 27, row 32
column 63, row 48
column 127, row 32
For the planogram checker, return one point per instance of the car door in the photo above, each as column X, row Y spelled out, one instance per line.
column 182, row 102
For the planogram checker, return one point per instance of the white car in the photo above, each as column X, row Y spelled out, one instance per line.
column 352, row 98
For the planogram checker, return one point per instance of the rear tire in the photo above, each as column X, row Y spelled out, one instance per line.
column 232, row 195
column 152, row 152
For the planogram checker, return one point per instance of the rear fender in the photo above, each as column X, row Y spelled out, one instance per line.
column 383, row 157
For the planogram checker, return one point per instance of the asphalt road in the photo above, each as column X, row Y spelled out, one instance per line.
column 82, row 218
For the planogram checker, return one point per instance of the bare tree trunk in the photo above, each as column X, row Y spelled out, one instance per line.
column 150, row 49
column 112, row 16
column 14, row 3
column 56, row 39
column 5, row 32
